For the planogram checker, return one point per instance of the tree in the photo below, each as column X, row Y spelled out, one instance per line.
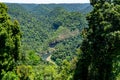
column 94, row 2
column 9, row 40
column 25, row 72
column 101, row 46
column 10, row 76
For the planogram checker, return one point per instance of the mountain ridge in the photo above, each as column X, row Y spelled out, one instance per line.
column 80, row 7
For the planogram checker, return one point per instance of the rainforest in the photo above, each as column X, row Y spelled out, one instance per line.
column 60, row 41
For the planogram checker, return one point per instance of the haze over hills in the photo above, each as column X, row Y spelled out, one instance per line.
column 69, row 7
column 46, row 1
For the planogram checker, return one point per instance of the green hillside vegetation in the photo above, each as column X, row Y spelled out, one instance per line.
column 55, row 36
column 55, row 41
column 49, row 27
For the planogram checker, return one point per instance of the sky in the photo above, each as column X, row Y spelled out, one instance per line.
column 45, row 1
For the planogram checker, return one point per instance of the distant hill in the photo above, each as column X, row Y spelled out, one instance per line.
column 69, row 7
column 45, row 8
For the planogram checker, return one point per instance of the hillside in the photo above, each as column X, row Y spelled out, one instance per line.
column 46, row 26
column 60, row 41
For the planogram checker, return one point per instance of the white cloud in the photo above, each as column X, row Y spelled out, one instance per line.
column 46, row 1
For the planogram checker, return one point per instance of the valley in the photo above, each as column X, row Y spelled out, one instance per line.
column 51, row 26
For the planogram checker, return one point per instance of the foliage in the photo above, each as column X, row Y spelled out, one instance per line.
column 101, row 47
column 9, row 40
column 53, row 32
column 10, row 75
column 57, row 28
column 25, row 72
column 31, row 58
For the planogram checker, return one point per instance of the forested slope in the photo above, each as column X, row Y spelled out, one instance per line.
column 51, row 28
column 72, row 48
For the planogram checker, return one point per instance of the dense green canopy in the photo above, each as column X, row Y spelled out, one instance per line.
column 101, row 46
column 9, row 40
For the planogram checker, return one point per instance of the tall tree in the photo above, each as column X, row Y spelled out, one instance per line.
column 9, row 40
column 101, row 46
